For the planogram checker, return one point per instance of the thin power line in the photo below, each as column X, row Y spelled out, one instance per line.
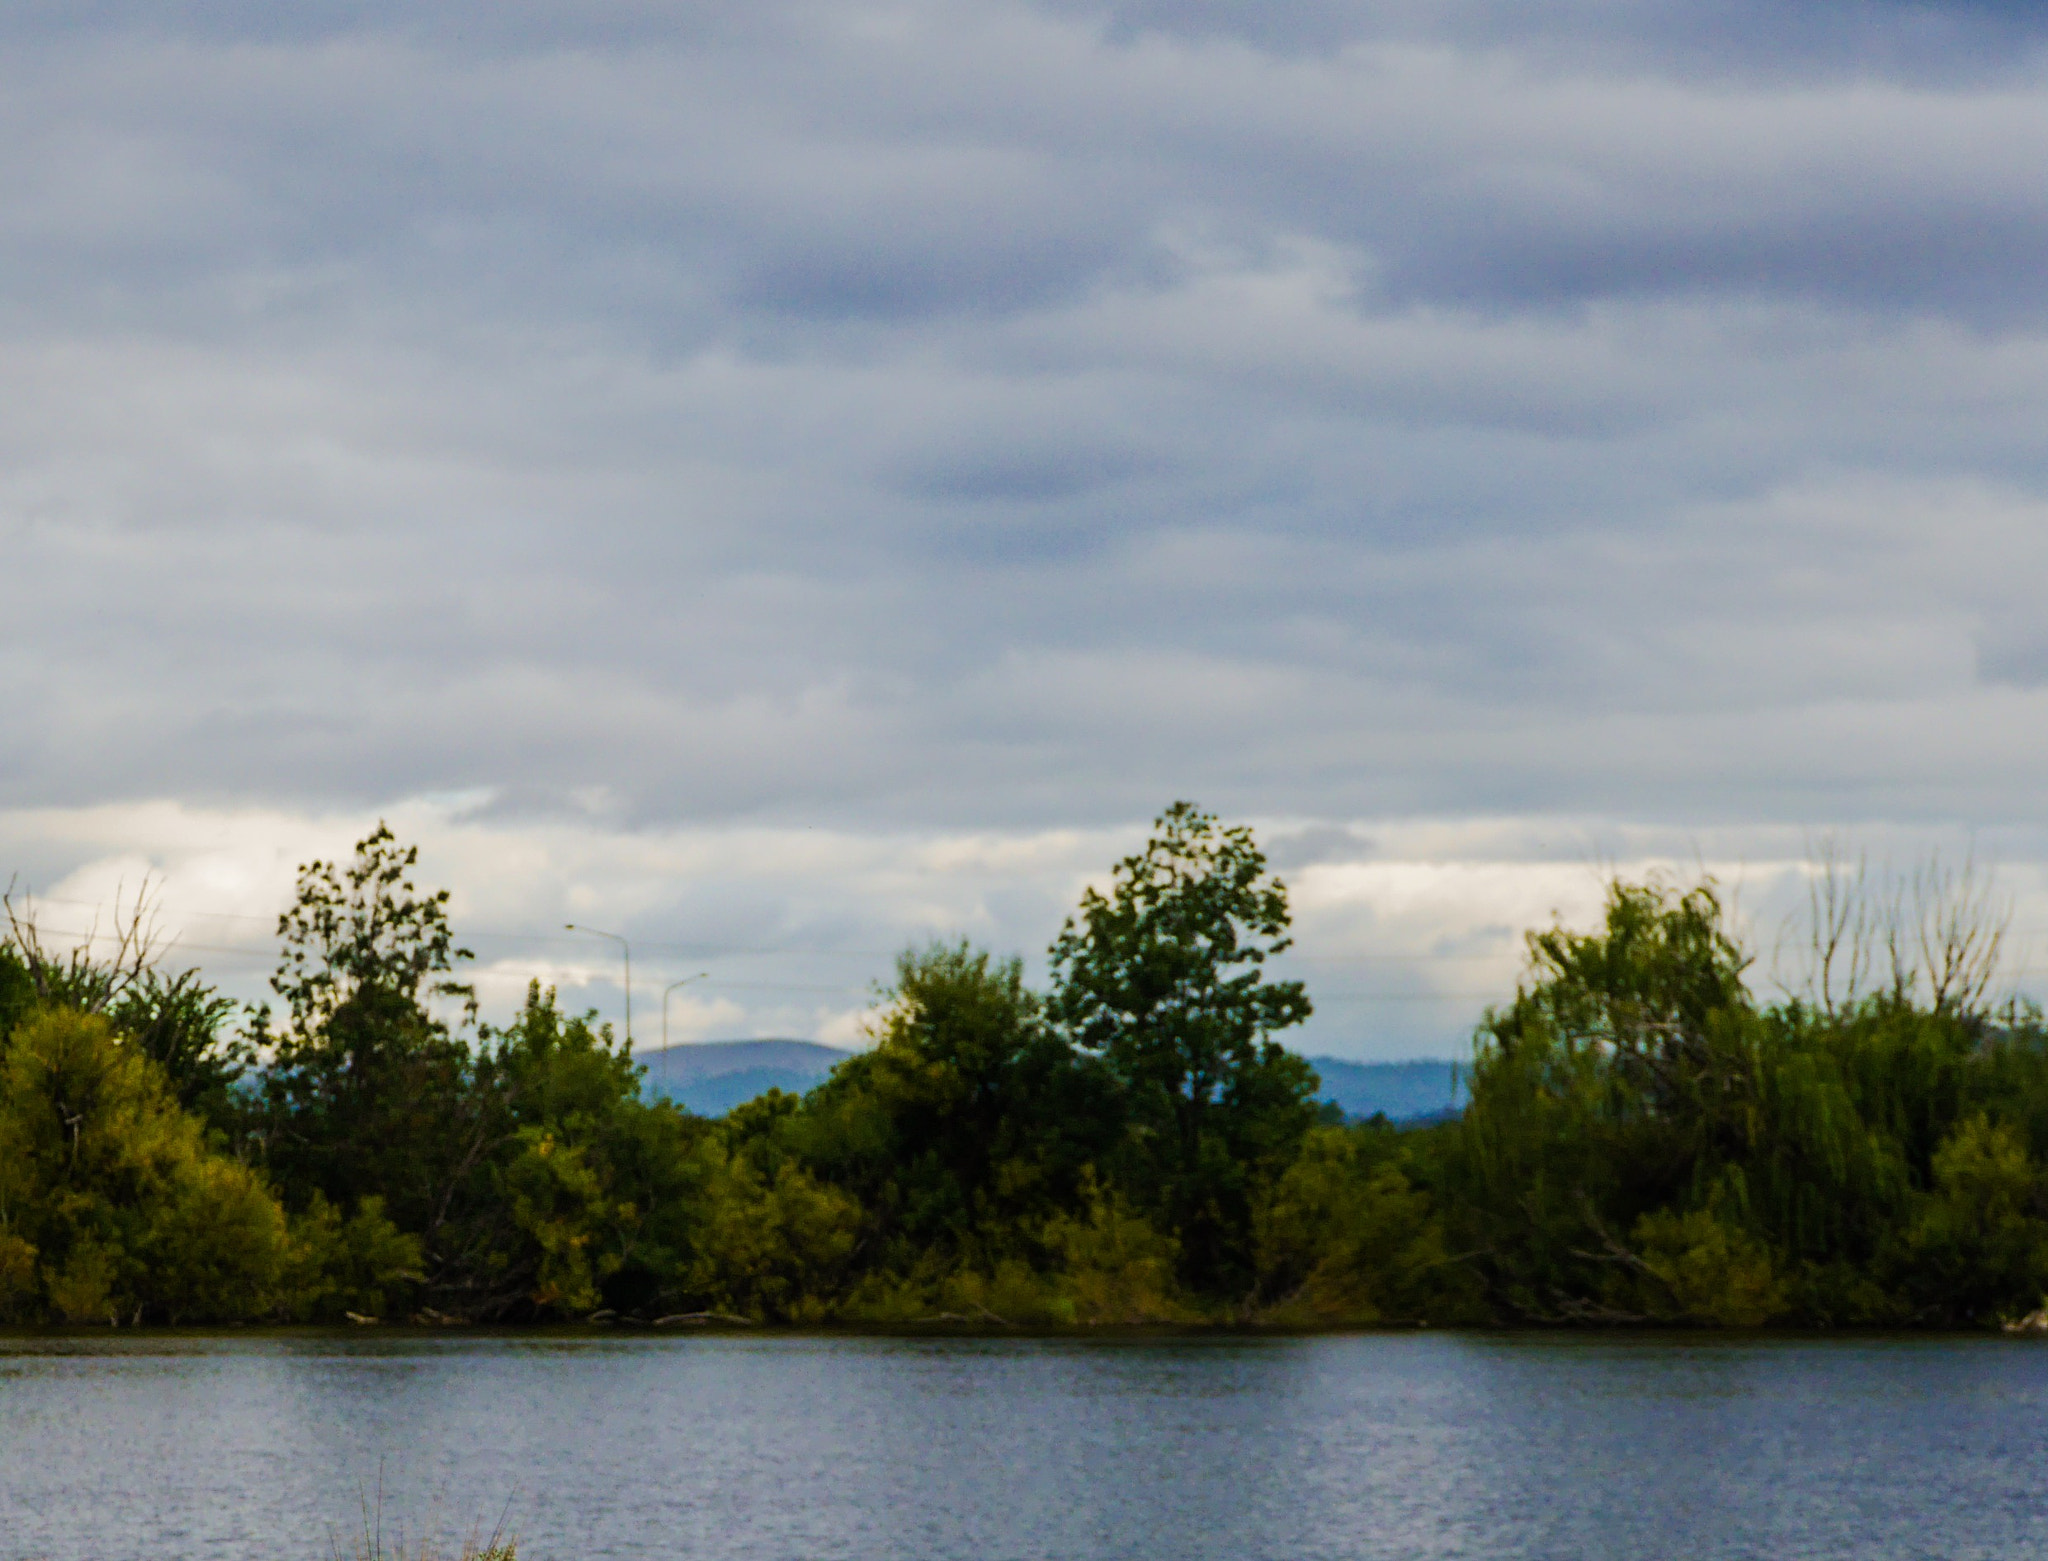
column 264, row 953
column 741, row 950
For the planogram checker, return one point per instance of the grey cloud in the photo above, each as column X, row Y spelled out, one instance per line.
column 510, row 24
column 1767, row 38
column 768, row 414
column 1290, row 850
column 1918, row 37
column 1023, row 464
column 764, row 191
column 657, row 182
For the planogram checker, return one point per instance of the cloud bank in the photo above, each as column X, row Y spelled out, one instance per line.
column 910, row 424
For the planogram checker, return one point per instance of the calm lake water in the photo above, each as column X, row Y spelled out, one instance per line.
column 796, row 1449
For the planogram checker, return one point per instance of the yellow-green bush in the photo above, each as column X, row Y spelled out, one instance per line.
column 1114, row 1266
column 562, row 1204
column 1343, row 1237
column 1699, row 1268
column 363, row 1264
column 112, row 1206
column 1978, row 1243
column 775, row 1245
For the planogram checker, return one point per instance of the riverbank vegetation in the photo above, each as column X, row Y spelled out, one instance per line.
column 1647, row 1140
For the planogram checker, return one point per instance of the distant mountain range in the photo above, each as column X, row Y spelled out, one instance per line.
column 1402, row 1091
column 709, row 1078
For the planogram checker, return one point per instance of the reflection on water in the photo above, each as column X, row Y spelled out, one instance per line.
column 788, row 1448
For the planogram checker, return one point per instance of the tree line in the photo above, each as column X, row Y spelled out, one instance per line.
column 1645, row 1140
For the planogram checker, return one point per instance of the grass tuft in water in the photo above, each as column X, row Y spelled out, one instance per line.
column 371, row 1544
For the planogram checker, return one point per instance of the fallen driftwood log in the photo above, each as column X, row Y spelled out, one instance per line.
column 981, row 1314
column 702, row 1317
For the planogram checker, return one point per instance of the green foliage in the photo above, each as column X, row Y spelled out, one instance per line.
column 178, row 1022
column 77, row 979
column 1647, row 983
column 1163, row 978
column 364, row 927
column 378, row 1103
column 367, row 1093
column 1977, row 1248
column 777, row 1244
column 1696, row 1267
column 1645, row 1143
column 362, row 1266
column 594, row 1197
column 17, row 990
column 1622, row 1080
column 970, row 1122
column 1346, row 1237
column 1115, row 1266
column 112, row 1206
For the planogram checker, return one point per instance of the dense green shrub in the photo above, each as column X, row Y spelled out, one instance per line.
column 1645, row 1141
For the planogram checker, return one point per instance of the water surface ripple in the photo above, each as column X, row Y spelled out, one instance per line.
column 807, row 1448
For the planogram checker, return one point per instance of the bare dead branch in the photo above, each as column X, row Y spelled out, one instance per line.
column 1959, row 923
column 1939, row 931
column 79, row 978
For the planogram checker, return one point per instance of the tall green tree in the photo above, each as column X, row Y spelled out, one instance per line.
column 1164, row 978
column 365, row 927
column 369, row 1093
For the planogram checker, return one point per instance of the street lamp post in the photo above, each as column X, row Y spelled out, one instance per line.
column 699, row 976
column 627, row 949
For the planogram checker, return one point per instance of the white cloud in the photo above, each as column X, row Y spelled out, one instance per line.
column 1406, row 929
column 805, row 478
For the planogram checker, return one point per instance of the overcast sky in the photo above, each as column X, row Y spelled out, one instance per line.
column 780, row 480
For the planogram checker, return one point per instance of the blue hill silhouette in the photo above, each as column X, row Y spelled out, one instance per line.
column 709, row 1078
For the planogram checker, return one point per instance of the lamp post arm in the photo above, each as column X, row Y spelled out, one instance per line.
column 626, row 949
column 699, row 976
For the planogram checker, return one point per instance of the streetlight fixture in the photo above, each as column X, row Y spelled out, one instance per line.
column 699, row 976
column 627, row 949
